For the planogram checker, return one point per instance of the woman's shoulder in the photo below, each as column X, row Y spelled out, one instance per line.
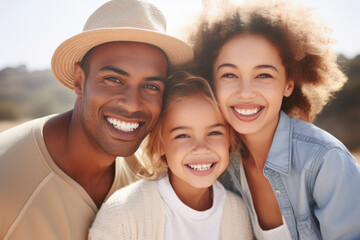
column 310, row 133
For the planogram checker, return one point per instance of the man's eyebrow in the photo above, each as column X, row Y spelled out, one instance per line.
column 124, row 73
column 114, row 69
column 156, row 78
column 266, row 66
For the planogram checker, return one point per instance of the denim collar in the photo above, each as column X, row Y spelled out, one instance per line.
column 279, row 158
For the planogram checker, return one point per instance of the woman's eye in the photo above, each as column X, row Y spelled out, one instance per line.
column 264, row 75
column 228, row 75
column 182, row 136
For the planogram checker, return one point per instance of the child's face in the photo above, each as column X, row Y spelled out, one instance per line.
column 195, row 143
column 250, row 83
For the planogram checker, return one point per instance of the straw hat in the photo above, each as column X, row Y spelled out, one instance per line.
column 118, row 20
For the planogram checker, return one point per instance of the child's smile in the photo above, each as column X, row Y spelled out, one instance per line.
column 195, row 143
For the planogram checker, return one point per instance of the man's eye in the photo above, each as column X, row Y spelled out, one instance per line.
column 113, row 79
column 182, row 136
column 152, row 87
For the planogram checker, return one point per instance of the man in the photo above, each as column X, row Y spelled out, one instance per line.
column 55, row 172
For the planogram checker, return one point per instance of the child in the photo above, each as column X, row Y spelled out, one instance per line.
column 187, row 151
column 271, row 67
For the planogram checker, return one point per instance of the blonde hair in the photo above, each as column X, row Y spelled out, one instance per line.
column 302, row 40
column 180, row 85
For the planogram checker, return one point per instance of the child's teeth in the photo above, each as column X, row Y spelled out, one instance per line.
column 200, row 167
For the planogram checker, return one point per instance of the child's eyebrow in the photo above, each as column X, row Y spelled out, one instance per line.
column 216, row 125
column 179, row 128
column 185, row 127
column 266, row 66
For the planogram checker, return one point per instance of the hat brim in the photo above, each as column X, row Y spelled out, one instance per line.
column 73, row 50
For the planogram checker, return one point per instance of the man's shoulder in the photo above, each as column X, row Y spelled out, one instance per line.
column 15, row 134
column 20, row 143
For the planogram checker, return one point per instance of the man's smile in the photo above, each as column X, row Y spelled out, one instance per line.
column 123, row 125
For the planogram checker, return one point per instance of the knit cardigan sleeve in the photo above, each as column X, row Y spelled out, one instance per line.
column 235, row 223
column 134, row 212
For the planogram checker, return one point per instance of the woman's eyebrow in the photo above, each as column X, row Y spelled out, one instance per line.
column 226, row 65
column 266, row 66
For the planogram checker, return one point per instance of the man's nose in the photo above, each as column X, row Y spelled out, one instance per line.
column 130, row 99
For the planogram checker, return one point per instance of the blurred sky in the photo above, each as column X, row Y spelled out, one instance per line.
column 31, row 30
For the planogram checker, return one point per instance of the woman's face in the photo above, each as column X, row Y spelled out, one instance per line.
column 250, row 83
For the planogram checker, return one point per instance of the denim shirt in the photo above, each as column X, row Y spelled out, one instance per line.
column 315, row 179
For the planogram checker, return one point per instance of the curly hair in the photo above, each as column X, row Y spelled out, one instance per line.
column 302, row 40
column 180, row 85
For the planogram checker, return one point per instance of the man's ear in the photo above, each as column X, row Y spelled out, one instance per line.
column 79, row 80
column 289, row 87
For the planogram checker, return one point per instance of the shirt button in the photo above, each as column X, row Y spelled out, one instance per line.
column 277, row 191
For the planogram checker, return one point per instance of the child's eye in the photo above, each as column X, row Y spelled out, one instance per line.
column 264, row 75
column 215, row 133
column 229, row 75
column 182, row 136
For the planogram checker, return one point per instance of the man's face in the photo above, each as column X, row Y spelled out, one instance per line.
column 121, row 97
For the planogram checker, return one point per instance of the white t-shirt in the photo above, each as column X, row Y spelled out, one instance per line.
column 279, row 233
column 183, row 222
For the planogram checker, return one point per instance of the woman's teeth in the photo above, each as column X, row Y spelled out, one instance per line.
column 123, row 126
column 247, row 111
column 200, row 167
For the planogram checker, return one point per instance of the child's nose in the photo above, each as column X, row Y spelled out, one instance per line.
column 200, row 147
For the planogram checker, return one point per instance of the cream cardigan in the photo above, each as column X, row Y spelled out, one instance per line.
column 137, row 212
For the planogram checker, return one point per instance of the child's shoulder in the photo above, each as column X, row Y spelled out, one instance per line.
column 235, row 220
column 234, row 200
column 134, row 194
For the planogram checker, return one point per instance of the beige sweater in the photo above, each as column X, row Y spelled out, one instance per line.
column 37, row 199
column 137, row 212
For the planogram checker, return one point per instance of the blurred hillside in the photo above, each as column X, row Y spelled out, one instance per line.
column 341, row 117
column 25, row 94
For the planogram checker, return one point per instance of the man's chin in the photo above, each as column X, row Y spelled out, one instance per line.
column 124, row 151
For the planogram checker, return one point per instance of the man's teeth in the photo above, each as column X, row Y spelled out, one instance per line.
column 123, row 126
column 201, row 167
column 247, row 111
